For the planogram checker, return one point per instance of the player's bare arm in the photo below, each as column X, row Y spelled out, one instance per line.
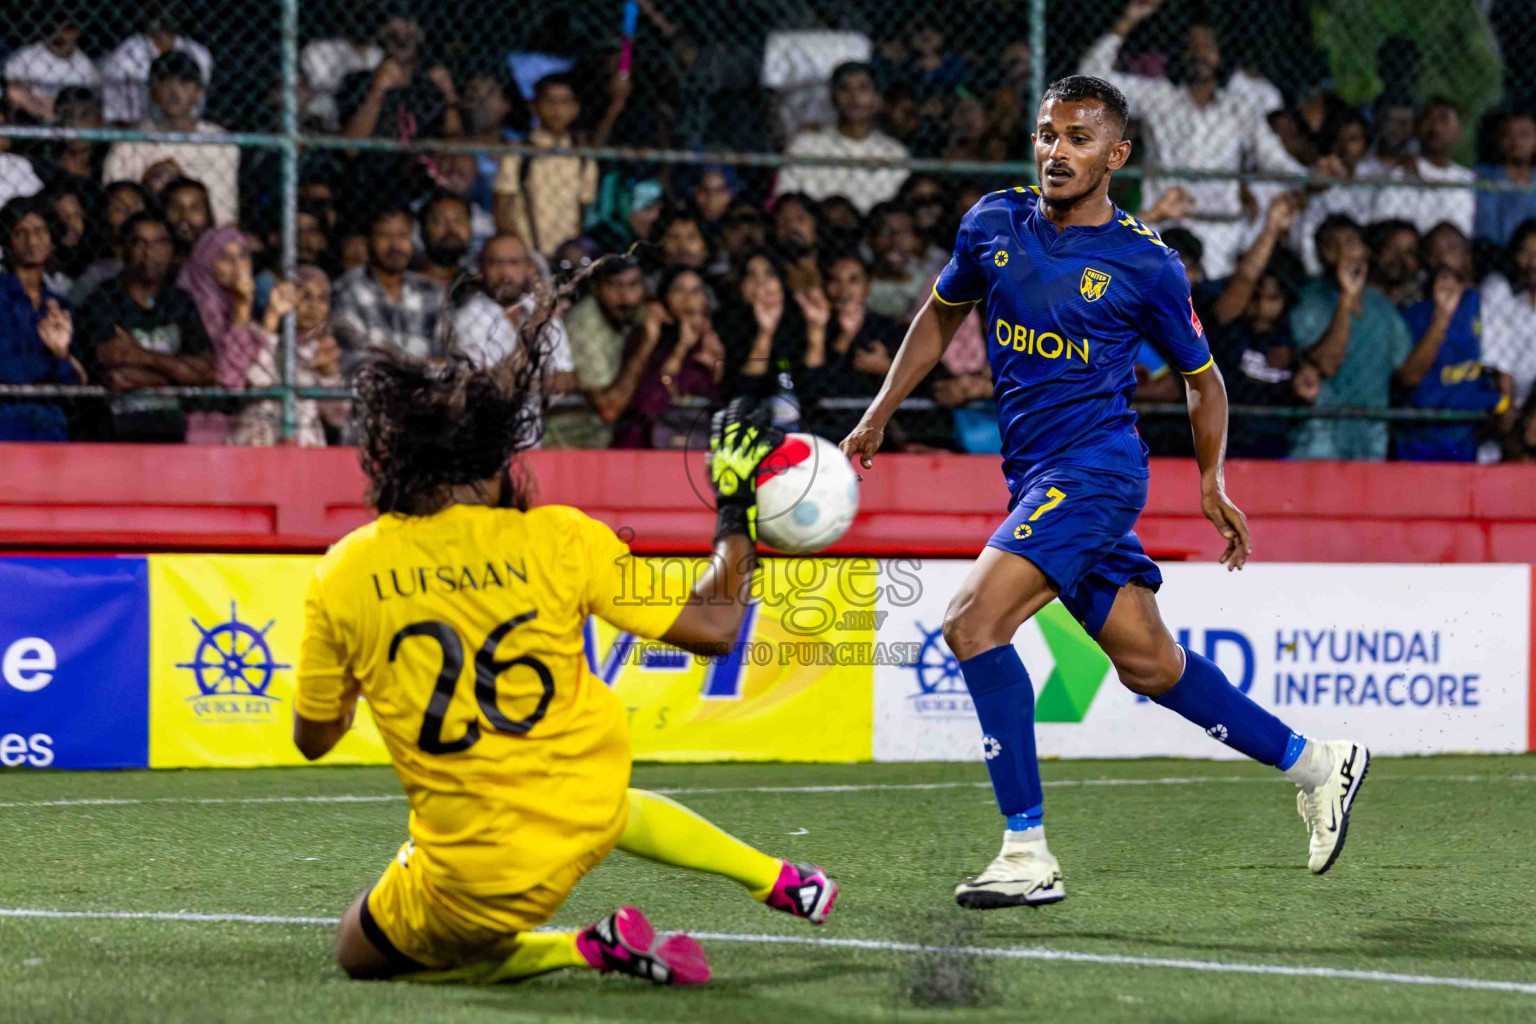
column 1208, row 418
column 929, row 336
column 316, row 739
column 710, row 621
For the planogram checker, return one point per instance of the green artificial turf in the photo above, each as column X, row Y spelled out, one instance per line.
column 1439, row 879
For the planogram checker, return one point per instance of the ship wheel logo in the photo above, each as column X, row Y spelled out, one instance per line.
column 938, row 670
column 233, row 659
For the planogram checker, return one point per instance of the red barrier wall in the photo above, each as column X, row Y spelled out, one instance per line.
column 125, row 497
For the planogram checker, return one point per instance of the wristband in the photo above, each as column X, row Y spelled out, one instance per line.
column 736, row 519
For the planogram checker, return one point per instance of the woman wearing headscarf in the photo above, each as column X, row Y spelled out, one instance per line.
column 218, row 277
column 317, row 363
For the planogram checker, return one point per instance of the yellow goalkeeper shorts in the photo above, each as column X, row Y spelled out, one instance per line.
column 410, row 917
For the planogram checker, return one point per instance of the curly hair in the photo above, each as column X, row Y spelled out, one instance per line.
column 427, row 426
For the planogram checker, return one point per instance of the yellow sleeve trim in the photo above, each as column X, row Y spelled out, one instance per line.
column 962, row 302
column 1203, row 367
column 1503, row 405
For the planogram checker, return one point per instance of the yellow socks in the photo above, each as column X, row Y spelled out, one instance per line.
column 536, row 953
column 665, row 831
column 658, row 829
column 539, row 953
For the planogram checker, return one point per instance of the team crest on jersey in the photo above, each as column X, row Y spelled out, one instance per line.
column 1093, row 284
column 1001, row 258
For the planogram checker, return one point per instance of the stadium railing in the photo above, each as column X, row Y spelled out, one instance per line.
column 766, row 59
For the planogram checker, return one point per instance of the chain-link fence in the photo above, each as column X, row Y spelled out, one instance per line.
column 397, row 168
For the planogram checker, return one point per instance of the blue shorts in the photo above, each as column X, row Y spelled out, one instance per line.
column 1074, row 523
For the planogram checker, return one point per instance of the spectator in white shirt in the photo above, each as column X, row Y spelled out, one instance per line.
column 1439, row 133
column 125, row 71
column 857, row 103
column 1199, row 125
column 35, row 74
column 325, row 63
column 500, row 297
column 1509, row 315
column 1351, row 141
column 176, row 92
column 17, row 176
column 485, row 326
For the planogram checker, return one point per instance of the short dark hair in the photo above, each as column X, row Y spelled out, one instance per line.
column 317, row 209
column 125, row 185
column 438, row 198
column 880, row 211
column 833, row 258
column 16, row 210
column 182, row 181
column 742, row 211
column 175, row 66
column 1377, row 232
column 1439, row 100
column 1185, row 242
column 150, row 216
column 1287, row 270
column 1074, row 88
column 669, row 277
column 847, row 69
column 673, row 212
column 612, row 266
column 1335, row 222
column 1523, row 230
column 1440, row 226
column 552, row 80
column 72, row 98
column 389, row 210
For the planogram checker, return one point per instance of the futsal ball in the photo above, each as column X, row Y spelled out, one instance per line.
column 807, row 495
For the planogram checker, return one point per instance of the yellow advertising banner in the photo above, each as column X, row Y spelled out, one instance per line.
column 797, row 686
column 224, row 635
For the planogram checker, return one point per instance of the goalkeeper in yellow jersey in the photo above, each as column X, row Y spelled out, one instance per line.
column 458, row 614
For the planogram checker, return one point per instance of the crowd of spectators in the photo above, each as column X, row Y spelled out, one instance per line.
column 142, row 264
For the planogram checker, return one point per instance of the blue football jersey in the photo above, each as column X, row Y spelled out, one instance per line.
column 1065, row 314
column 1457, row 380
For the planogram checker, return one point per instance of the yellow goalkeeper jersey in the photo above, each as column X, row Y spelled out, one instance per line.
column 463, row 630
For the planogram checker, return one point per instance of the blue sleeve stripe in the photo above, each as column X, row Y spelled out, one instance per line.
column 1203, row 367
column 947, row 302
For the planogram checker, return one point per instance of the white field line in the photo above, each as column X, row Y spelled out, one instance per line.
column 879, row 945
column 345, row 798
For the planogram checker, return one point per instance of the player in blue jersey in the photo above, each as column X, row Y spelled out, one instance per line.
column 1070, row 287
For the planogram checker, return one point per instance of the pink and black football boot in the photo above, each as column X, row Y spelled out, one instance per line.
column 626, row 943
column 803, row 890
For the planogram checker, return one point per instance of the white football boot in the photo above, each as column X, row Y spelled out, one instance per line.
column 1326, row 808
column 1023, row 875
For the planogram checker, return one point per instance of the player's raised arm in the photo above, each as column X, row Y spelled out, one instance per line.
column 930, row 334
column 739, row 442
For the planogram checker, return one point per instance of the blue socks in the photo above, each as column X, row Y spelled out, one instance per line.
column 1005, row 704
column 1032, row 818
column 1205, row 696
